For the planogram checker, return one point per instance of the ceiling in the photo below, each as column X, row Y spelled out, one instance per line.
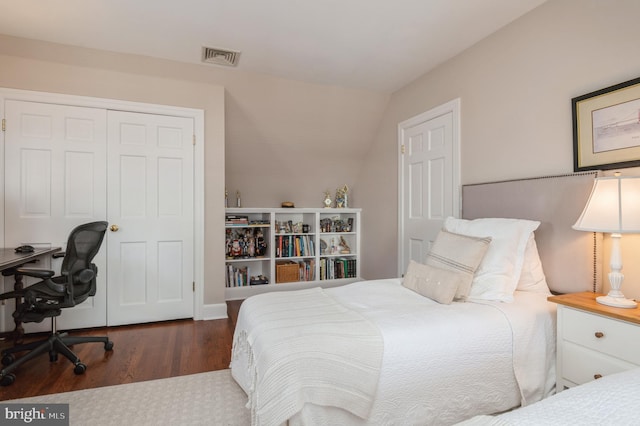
column 372, row 44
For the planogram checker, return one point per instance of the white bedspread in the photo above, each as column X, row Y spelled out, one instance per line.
column 305, row 347
column 444, row 363
column 612, row 400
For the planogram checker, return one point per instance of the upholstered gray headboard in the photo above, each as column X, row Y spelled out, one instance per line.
column 571, row 259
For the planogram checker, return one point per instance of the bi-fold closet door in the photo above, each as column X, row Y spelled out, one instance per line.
column 67, row 165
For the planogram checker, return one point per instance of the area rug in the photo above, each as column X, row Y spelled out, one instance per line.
column 211, row 398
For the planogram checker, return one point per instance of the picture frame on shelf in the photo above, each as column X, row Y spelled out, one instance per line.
column 606, row 128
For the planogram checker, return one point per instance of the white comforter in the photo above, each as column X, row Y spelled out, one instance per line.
column 304, row 347
column 610, row 401
column 442, row 363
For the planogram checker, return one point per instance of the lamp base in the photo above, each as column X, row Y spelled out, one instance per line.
column 616, row 302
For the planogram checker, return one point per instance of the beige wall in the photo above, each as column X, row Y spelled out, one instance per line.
column 515, row 88
column 281, row 139
column 290, row 141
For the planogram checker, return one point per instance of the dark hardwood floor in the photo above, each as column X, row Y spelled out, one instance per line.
column 140, row 352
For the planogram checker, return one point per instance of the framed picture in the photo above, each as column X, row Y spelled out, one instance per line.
column 606, row 128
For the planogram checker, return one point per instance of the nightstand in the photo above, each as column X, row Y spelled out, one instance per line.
column 593, row 339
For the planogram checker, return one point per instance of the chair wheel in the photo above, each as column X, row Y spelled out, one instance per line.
column 8, row 359
column 80, row 368
column 8, row 379
column 108, row 346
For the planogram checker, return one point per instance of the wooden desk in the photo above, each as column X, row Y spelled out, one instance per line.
column 9, row 259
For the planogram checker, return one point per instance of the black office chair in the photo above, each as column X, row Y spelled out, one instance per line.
column 47, row 298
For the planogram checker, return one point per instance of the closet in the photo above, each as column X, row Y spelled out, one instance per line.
column 67, row 164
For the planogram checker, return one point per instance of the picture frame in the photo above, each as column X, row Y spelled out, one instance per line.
column 606, row 128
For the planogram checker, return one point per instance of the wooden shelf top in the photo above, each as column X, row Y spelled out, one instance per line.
column 587, row 302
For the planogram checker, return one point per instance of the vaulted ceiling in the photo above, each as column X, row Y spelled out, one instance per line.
column 378, row 45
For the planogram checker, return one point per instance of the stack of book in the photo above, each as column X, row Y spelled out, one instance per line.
column 231, row 220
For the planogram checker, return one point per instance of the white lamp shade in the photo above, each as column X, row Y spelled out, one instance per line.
column 613, row 206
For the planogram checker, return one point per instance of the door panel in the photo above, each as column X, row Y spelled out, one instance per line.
column 55, row 179
column 428, row 182
column 151, row 201
column 56, row 173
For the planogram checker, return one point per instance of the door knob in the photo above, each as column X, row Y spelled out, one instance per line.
column 114, row 228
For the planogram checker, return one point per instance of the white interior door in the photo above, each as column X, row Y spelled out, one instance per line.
column 151, row 183
column 429, row 180
column 55, row 179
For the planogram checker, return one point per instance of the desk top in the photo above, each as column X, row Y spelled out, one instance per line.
column 9, row 258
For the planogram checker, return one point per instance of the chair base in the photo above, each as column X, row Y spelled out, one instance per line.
column 56, row 343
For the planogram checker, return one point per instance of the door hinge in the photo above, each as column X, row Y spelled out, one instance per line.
column 194, row 286
column 4, row 124
column 402, row 149
column 194, row 139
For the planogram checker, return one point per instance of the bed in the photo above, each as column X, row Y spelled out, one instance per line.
column 612, row 400
column 400, row 350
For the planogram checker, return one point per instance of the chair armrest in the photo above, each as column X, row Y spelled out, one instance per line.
column 36, row 273
column 85, row 276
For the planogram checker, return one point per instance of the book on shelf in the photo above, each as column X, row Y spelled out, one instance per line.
column 294, row 246
column 307, row 270
column 237, row 276
column 338, row 268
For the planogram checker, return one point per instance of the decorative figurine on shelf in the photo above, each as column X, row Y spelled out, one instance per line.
column 261, row 244
column 243, row 246
column 236, row 250
column 345, row 191
column 229, row 242
column 323, row 247
column 251, row 249
column 344, row 247
column 238, row 203
column 327, row 199
column 341, row 196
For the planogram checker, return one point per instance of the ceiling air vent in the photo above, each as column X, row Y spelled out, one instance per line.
column 211, row 55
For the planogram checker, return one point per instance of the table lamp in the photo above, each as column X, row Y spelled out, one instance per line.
column 613, row 207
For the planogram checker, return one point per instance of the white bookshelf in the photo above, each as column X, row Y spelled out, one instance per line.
column 323, row 243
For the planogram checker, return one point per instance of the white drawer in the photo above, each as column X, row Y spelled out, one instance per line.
column 581, row 365
column 609, row 336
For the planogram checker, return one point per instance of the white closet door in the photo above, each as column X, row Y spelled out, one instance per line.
column 150, row 180
column 55, row 179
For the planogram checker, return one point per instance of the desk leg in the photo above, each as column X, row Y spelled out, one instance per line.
column 18, row 331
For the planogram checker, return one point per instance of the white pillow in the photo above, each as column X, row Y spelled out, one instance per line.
column 459, row 253
column 499, row 272
column 532, row 278
column 435, row 283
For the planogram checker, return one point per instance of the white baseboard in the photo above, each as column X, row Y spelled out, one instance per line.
column 217, row 311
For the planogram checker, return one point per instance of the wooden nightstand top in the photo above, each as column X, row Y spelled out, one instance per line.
column 587, row 302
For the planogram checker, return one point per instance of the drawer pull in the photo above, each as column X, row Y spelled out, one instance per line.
column 597, row 376
column 599, row 334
